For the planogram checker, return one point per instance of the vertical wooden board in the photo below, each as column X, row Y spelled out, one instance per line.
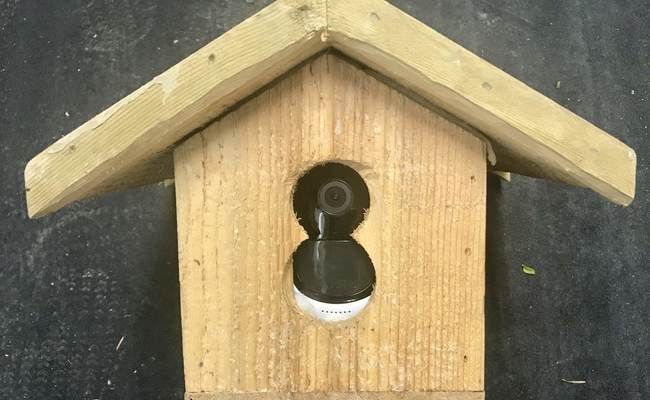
column 190, row 176
column 423, row 330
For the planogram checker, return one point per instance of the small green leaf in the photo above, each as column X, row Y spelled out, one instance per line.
column 528, row 270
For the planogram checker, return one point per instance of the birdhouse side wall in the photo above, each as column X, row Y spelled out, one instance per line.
column 423, row 330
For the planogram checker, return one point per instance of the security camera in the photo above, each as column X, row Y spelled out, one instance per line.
column 333, row 275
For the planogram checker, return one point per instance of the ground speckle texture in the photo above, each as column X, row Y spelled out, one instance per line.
column 89, row 302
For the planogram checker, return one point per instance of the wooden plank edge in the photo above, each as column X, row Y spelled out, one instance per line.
column 464, row 395
column 609, row 170
column 81, row 163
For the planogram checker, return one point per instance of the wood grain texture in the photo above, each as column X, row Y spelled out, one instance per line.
column 119, row 142
column 339, row 396
column 532, row 134
column 425, row 232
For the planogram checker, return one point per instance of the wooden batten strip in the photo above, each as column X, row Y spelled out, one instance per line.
column 339, row 396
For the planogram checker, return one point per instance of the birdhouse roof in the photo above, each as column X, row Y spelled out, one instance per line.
column 129, row 143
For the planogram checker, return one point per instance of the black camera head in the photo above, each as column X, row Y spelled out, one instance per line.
column 330, row 200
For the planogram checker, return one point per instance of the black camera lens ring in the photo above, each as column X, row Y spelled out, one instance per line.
column 335, row 197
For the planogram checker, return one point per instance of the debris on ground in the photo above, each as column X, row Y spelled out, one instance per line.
column 574, row 382
column 119, row 343
column 528, row 270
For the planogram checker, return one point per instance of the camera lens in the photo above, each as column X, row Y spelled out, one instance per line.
column 335, row 197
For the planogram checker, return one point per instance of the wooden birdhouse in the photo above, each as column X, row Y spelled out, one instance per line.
column 346, row 122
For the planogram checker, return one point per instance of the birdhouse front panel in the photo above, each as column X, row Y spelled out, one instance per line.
column 424, row 231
